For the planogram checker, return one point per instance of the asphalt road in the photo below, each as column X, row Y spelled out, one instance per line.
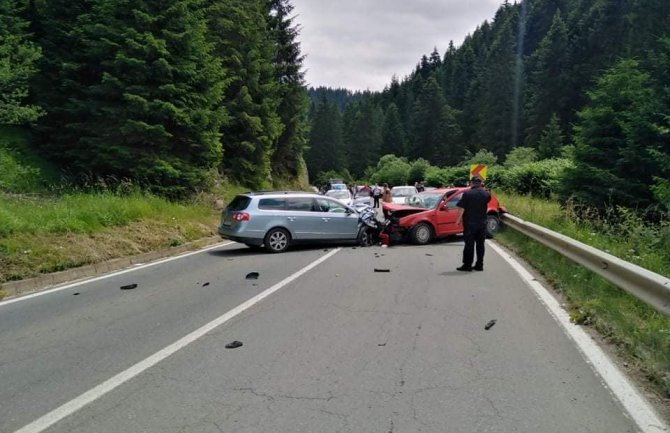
column 337, row 348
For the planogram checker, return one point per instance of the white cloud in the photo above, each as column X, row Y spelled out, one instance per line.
column 360, row 44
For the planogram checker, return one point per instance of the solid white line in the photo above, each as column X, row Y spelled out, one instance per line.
column 113, row 274
column 79, row 402
column 638, row 408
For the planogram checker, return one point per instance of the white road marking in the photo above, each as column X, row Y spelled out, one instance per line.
column 638, row 408
column 113, row 274
column 79, row 402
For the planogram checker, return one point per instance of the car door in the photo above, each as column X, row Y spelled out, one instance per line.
column 447, row 215
column 304, row 223
column 338, row 221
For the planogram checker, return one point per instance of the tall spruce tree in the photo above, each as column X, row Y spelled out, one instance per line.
column 551, row 141
column 238, row 30
column 547, row 81
column 18, row 58
column 496, row 99
column 146, row 100
column 63, row 74
column 325, row 139
column 393, row 133
column 364, row 137
column 435, row 133
column 615, row 139
column 292, row 109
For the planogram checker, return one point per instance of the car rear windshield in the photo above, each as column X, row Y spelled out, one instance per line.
column 240, row 202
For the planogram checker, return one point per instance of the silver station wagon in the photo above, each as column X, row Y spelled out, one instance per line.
column 277, row 220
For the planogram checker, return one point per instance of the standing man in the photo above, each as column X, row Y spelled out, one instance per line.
column 376, row 195
column 473, row 217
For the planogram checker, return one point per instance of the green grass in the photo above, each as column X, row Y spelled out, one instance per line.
column 640, row 334
column 85, row 212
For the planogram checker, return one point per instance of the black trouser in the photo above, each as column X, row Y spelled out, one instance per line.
column 376, row 201
column 474, row 235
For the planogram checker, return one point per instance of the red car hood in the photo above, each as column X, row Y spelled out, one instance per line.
column 401, row 210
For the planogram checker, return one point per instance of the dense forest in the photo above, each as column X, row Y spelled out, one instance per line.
column 581, row 87
column 168, row 94
column 566, row 97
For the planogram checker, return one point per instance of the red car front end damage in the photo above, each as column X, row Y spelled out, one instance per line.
column 433, row 214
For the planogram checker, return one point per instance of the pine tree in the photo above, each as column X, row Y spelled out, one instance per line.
column 292, row 109
column 547, row 82
column 551, row 140
column 63, row 73
column 364, row 136
column 435, row 133
column 325, row 139
column 238, row 30
column 615, row 139
column 144, row 97
column 495, row 122
column 393, row 133
column 18, row 59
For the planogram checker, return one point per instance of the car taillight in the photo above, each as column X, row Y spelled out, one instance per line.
column 240, row 216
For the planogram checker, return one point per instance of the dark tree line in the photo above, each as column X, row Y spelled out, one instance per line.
column 542, row 74
column 166, row 93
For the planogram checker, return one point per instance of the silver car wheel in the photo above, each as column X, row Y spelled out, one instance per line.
column 492, row 226
column 422, row 234
column 277, row 240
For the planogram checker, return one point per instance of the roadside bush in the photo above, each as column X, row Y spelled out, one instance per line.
column 541, row 178
column 392, row 170
column 15, row 177
column 417, row 171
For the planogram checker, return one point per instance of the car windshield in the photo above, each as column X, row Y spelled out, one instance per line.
column 338, row 194
column 426, row 200
column 403, row 191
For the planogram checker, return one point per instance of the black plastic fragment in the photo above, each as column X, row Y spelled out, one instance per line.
column 428, row 254
column 75, row 294
column 128, row 286
column 205, row 284
column 490, row 324
column 252, row 276
column 234, row 345
column 382, row 270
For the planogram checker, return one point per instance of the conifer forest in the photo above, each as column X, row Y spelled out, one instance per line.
column 174, row 94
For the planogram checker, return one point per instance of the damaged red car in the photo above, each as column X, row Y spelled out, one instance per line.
column 433, row 214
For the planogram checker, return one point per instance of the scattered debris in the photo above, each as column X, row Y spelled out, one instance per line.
column 490, row 324
column 128, row 287
column 75, row 293
column 428, row 254
column 252, row 276
column 205, row 284
column 382, row 270
column 234, row 345
column 381, row 344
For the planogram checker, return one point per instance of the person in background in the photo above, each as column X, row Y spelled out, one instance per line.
column 473, row 217
column 376, row 194
column 386, row 194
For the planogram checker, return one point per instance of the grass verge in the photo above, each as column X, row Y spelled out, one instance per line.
column 47, row 234
column 640, row 335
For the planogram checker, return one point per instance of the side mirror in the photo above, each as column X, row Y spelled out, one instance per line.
column 443, row 206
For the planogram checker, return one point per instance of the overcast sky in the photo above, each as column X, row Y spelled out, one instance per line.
column 360, row 44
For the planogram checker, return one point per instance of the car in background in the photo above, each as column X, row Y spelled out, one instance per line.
column 399, row 194
column 343, row 195
column 277, row 220
column 339, row 186
column 433, row 214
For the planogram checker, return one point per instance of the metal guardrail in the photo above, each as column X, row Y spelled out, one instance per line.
column 652, row 288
